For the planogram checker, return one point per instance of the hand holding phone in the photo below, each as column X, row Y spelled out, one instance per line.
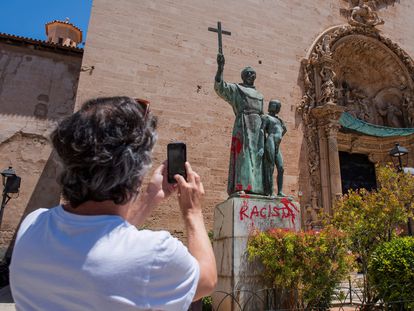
column 176, row 158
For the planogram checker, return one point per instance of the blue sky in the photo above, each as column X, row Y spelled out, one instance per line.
column 27, row 18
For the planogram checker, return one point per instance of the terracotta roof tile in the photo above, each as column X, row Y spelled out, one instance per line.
column 14, row 38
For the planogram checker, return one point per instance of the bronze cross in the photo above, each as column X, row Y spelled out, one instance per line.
column 219, row 32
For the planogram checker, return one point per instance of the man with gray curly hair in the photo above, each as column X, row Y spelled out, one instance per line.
column 87, row 254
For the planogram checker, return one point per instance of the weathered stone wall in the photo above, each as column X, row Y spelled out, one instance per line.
column 37, row 87
column 162, row 51
column 37, row 83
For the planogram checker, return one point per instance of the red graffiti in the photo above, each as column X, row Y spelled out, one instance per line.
column 254, row 212
column 243, row 209
column 290, row 210
column 245, row 196
column 239, row 187
column 236, row 145
column 284, row 210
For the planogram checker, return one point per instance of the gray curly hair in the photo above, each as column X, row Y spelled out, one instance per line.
column 106, row 150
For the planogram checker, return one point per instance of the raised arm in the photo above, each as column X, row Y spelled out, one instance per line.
column 156, row 191
column 220, row 68
column 190, row 194
column 227, row 91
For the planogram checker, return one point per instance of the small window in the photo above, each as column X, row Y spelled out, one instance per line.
column 60, row 41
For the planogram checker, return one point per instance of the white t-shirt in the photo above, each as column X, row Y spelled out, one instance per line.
column 62, row 261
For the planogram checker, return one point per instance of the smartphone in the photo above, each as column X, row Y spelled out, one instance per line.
column 176, row 158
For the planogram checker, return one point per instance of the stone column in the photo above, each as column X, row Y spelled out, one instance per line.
column 324, row 167
column 328, row 125
column 333, row 156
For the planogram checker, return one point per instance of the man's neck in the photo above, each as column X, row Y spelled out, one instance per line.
column 93, row 208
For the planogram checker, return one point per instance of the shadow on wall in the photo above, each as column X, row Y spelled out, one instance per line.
column 304, row 176
column 46, row 193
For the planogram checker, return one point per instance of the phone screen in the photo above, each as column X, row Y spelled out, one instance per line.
column 177, row 156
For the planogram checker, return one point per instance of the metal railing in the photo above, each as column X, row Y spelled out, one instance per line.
column 348, row 296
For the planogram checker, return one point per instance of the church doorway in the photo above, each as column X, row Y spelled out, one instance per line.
column 357, row 171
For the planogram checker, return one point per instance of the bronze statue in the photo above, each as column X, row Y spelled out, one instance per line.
column 273, row 129
column 256, row 137
column 245, row 170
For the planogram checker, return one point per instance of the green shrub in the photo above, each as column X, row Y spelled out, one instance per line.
column 391, row 271
column 207, row 303
column 370, row 218
column 308, row 263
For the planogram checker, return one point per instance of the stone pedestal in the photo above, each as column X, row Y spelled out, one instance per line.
column 238, row 285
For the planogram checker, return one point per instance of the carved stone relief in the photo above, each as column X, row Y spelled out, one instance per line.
column 390, row 107
column 408, row 104
column 375, row 4
column 323, row 66
column 385, row 3
column 362, row 13
column 373, row 84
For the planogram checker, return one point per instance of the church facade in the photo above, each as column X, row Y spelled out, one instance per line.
column 342, row 70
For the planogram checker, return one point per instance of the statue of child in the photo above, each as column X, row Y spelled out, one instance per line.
column 273, row 129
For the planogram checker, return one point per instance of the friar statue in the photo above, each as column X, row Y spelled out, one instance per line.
column 245, row 170
column 273, row 129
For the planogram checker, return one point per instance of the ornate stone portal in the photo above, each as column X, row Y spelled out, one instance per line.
column 357, row 70
column 372, row 85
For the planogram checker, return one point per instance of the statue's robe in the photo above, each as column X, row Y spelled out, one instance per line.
column 245, row 169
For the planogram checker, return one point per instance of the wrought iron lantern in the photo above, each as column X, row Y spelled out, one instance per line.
column 399, row 155
column 11, row 184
